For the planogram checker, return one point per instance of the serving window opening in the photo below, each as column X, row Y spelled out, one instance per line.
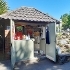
column 32, row 32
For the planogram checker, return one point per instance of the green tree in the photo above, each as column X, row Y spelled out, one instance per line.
column 68, row 22
column 3, row 6
column 65, row 21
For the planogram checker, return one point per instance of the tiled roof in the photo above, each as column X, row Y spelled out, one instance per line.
column 28, row 14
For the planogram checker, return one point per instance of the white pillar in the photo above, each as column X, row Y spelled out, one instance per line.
column 12, row 31
column 60, row 26
column 43, row 32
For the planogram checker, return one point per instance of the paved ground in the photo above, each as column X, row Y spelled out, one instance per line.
column 5, row 65
column 42, row 65
column 39, row 65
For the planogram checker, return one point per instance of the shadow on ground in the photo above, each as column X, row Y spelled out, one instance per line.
column 5, row 65
column 45, row 64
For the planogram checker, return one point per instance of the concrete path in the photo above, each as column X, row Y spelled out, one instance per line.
column 35, row 65
column 42, row 65
column 5, row 65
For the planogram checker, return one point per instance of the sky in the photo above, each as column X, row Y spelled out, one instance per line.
column 54, row 8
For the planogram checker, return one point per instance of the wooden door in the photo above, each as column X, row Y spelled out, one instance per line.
column 51, row 48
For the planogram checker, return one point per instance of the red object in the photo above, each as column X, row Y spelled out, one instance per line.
column 29, row 32
column 18, row 36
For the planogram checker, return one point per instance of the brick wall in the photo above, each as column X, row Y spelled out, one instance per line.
column 7, row 44
column 6, row 37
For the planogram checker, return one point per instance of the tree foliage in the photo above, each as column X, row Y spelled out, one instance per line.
column 3, row 7
column 64, row 18
column 65, row 21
